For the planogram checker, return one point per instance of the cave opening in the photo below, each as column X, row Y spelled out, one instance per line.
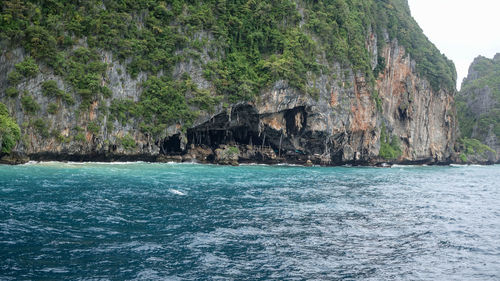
column 172, row 145
column 213, row 137
column 242, row 126
column 296, row 120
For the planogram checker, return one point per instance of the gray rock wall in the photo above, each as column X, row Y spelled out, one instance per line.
column 341, row 124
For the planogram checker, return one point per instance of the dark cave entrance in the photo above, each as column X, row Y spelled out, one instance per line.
column 241, row 127
column 172, row 145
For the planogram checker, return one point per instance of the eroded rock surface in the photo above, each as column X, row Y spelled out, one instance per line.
column 342, row 124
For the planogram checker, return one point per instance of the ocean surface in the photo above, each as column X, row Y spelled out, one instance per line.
column 141, row 221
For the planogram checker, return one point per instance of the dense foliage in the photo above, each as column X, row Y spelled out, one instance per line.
column 473, row 147
column 390, row 147
column 9, row 131
column 242, row 46
column 484, row 77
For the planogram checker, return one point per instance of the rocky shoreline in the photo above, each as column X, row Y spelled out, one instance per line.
column 226, row 155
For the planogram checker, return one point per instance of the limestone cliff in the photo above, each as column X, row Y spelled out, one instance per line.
column 478, row 102
column 359, row 97
column 343, row 124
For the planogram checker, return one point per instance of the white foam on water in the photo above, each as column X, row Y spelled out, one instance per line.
column 30, row 163
column 177, row 192
column 408, row 166
column 273, row 165
column 401, row 166
column 468, row 165
column 50, row 163
column 108, row 163
column 290, row 165
column 55, row 270
column 181, row 163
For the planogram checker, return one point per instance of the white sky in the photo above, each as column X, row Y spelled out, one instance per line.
column 461, row 29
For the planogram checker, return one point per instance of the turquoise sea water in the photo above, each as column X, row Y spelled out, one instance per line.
column 142, row 221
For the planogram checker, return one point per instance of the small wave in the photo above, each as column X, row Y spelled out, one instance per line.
column 109, row 201
column 55, row 270
column 401, row 166
column 274, row 165
column 115, row 219
column 46, row 163
column 181, row 163
column 177, row 192
column 408, row 166
column 30, row 163
column 155, row 259
column 293, row 165
column 254, row 164
column 108, row 163
column 147, row 247
column 468, row 165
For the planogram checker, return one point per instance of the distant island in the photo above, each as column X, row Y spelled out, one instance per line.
column 478, row 107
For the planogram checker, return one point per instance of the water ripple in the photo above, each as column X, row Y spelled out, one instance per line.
column 144, row 221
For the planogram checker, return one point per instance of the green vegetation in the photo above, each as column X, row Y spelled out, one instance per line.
column 41, row 128
column 378, row 100
column 52, row 108
column 242, row 47
column 28, row 68
column 84, row 71
column 123, row 110
column 233, row 150
column 475, row 124
column 10, row 133
column 59, row 137
column 80, row 135
column 390, row 147
column 109, row 126
column 381, row 64
column 127, row 142
column 11, row 92
column 463, row 157
column 473, row 146
column 93, row 127
column 50, row 89
column 14, row 78
column 396, row 17
column 163, row 102
column 29, row 104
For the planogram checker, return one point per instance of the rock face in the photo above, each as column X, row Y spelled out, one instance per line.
column 342, row 125
column 14, row 158
column 349, row 116
column 101, row 146
column 479, row 107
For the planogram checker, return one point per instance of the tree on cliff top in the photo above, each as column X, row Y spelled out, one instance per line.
column 9, row 131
